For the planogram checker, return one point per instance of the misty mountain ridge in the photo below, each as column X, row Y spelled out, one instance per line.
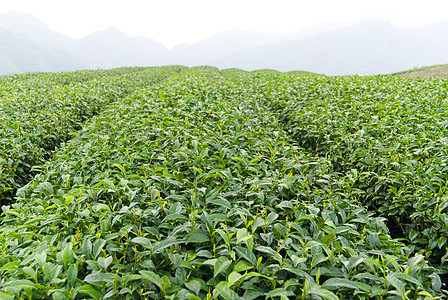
column 112, row 48
column 32, row 28
column 20, row 54
column 366, row 48
column 220, row 46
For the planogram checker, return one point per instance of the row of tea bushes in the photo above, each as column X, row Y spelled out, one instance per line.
column 389, row 134
column 38, row 112
column 192, row 189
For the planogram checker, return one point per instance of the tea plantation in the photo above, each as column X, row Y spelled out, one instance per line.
column 199, row 183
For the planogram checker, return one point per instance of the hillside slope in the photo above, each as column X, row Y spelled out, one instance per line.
column 21, row 54
column 425, row 72
column 367, row 48
column 112, row 48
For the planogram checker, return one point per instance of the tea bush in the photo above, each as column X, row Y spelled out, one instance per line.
column 205, row 186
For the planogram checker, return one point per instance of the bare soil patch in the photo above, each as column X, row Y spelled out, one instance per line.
column 441, row 71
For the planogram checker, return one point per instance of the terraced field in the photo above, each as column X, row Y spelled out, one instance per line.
column 199, row 183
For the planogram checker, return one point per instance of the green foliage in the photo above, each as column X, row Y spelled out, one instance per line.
column 38, row 112
column 388, row 136
column 231, row 185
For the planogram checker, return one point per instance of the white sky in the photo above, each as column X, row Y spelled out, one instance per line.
column 172, row 22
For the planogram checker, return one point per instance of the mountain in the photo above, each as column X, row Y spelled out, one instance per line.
column 320, row 28
column 366, row 48
column 112, row 48
column 28, row 45
column 220, row 46
column 32, row 28
column 20, row 54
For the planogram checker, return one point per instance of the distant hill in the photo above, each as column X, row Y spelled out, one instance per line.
column 112, row 48
column 425, row 72
column 366, row 48
column 32, row 28
column 21, row 54
column 28, row 45
column 221, row 46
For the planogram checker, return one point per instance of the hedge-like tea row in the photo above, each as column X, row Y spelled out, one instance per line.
column 389, row 133
column 192, row 189
column 40, row 111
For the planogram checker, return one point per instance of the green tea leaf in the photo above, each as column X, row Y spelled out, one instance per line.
column 5, row 296
column 104, row 263
column 197, row 236
column 246, row 254
column 321, row 292
column 338, row 283
column 154, row 278
column 142, row 241
column 221, row 265
column 233, row 278
column 99, row 278
column 273, row 254
column 396, row 283
column 87, row 289
column 194, row 285
column 72, row 274
column 436, row 282
column 225, row 292
column 67, row 254
column 22, row 284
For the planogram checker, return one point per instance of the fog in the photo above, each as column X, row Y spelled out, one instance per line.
column 330, row 37
column 174, row 22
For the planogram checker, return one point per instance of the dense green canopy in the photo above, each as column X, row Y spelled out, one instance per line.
column 199, row 183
